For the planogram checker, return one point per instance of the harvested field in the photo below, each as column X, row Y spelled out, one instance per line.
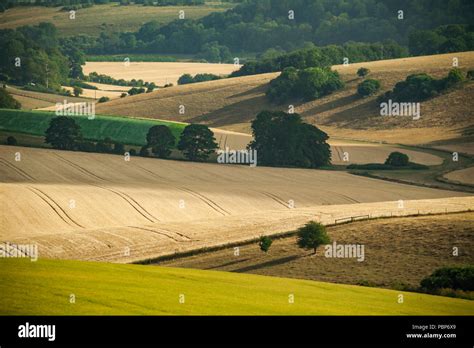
column 157, row 72
column 95, row 207
column 464, row 176
column 36, row 100
column 233, row 103
column 393, row 249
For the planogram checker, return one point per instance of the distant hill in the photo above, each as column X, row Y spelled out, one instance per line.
column 233, row 103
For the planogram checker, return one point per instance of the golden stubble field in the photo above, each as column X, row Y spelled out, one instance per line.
column 233, row 103
column 101, row 207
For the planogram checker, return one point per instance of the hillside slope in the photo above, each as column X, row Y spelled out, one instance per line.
column 95, row 207
column 44, row 288
column 233, row 103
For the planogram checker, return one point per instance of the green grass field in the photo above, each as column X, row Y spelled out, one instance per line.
column 45, row 287
column 107, row 17
column 131, row 131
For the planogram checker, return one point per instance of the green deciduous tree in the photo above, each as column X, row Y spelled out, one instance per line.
column 197, row 142
column 160, row 140
column 63, row 133
column 312, row 235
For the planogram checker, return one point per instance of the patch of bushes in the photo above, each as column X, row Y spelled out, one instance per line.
column 397, row 159
column 456, row 278
column 134, row 90
column 187, row 78
column 363, row 72
column 307, row 84
column 368, row 87
column 103, row 99
column 420, row 87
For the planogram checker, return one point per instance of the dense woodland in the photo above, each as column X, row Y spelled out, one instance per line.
column 280, row 33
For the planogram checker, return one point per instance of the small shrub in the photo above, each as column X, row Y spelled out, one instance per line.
column 103, row 99
column 470, row 75
column 119, row 149
column 368, row 87
column 132, row 152
column 86, row 146
column 123, row 95
column 397, row 159
column 264, row 243
column 363, row 72
column 11, row 140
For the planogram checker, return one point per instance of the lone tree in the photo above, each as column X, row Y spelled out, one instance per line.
column 282, row 139
column 63, row 133
column 363, row 72
column 264, row 243
column 397, row 159
column 312, row 235
column 197, row 142
column 368, row 87
column 160, row 140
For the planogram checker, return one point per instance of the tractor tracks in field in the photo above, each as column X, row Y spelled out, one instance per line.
column 17, row 170
column 168, row 234
column 55, row 206
column 124, row 196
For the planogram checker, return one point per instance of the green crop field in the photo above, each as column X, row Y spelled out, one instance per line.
column 46, row 286
column 131, row 131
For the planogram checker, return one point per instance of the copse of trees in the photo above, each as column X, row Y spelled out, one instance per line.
column 283, row 139
column 7, row 101
column 456, row 278
column 188, row 78
column 368, row 87
column 420, row 87
column 197, row 142
column 306, row 84
column 444, row 39
column 313, row 56
column 31, row 54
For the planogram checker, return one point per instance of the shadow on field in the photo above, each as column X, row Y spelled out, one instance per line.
column 270, row 263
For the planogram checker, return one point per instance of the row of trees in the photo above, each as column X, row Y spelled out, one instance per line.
column 188, row 78
column 196, row 142
column 306, row 84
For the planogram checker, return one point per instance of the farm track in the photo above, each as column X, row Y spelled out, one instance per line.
column 19, row 171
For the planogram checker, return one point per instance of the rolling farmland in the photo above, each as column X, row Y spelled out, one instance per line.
column 95, row 207
column 233, row 103
column 45, row 286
